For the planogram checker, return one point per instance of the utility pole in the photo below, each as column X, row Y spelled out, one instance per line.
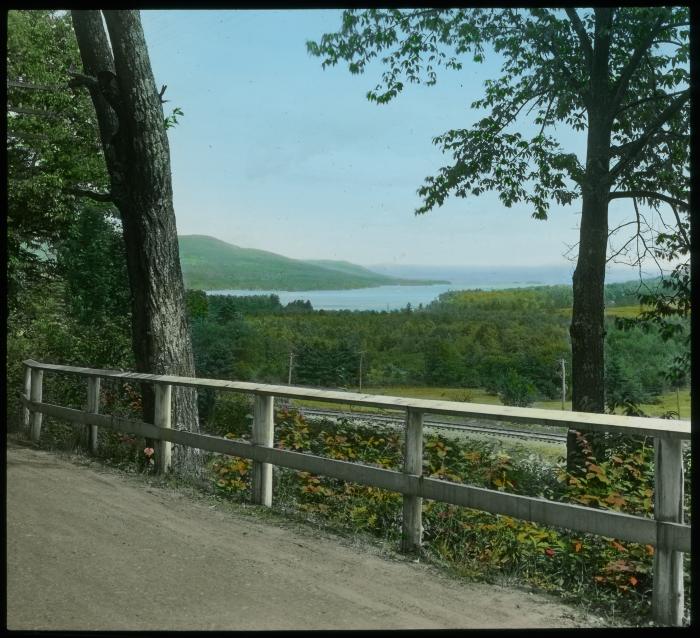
column 563, row 384
column 362, row 354
column 291, row 362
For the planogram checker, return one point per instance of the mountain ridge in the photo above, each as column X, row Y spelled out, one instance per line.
column 209, row 263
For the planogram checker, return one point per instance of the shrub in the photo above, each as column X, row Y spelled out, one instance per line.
column 232, row 413
column 516, row 390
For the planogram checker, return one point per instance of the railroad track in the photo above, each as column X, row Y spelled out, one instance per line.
column 468, row 425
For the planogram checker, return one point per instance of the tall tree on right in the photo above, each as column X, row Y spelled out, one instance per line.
column 620, row 74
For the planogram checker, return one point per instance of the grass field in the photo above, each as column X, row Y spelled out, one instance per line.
column 478, row 395
column 629, row 312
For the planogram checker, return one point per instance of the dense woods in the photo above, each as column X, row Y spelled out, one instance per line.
column 508, row 342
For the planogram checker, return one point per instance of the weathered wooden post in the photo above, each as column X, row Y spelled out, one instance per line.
column 162, row 420
column 27, row 396
column 263, row 434
column 93, row 407
column 667, row 596
column 36, row 396
column 413, row 464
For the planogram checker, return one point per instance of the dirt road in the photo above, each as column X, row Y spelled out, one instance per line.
column 90, row 548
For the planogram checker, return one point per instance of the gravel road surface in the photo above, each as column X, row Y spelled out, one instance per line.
column 91, row 548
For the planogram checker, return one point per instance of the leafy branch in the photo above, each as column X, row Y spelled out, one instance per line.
column 171, row 120
column 533, row 171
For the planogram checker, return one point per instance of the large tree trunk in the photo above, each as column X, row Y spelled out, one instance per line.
column 137, row 154
column 588, row 314
column 587, row 321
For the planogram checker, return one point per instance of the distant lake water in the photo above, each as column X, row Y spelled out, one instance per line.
column 462, row 278
column 377, row 298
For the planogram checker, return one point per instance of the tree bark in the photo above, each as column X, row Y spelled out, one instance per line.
column 588, row 313
column 587, row 328
column 137, row 154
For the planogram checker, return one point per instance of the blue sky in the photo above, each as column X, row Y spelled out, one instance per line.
column 275, row 153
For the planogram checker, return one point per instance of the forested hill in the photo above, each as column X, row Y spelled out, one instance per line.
column 211, row 264
column 345, row 267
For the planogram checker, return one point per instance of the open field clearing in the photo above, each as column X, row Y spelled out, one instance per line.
column 667, row 401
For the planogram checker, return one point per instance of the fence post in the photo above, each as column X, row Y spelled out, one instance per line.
column 27, row 396
column 36, row 396
column 413, row 464
column 162, row 420
column 93, row 406
column 263, row 434
column 667, row 596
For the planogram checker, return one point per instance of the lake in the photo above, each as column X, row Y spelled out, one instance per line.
column 462, row 278
column 377, row 298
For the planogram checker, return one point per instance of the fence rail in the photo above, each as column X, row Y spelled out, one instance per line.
column 665, row 531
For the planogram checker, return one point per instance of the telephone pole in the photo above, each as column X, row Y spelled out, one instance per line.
column 563, row 384
column 362, row 354
column 291, row 363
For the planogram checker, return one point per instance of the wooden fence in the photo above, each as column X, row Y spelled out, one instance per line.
column 666, row 531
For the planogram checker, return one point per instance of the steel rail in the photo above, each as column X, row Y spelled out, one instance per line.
column 471, row 427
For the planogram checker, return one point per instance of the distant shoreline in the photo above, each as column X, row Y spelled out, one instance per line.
column 407, row 282
column 212, row 264
column 385, row 297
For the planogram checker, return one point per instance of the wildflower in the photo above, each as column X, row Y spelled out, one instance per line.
column 549, row 551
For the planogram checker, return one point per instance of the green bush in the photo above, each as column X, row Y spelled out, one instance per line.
column 232, row 413
column 516, row 390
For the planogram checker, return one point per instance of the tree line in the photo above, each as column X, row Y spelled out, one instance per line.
column 507, row 342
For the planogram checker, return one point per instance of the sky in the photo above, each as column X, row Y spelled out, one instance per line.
column 273, row 152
